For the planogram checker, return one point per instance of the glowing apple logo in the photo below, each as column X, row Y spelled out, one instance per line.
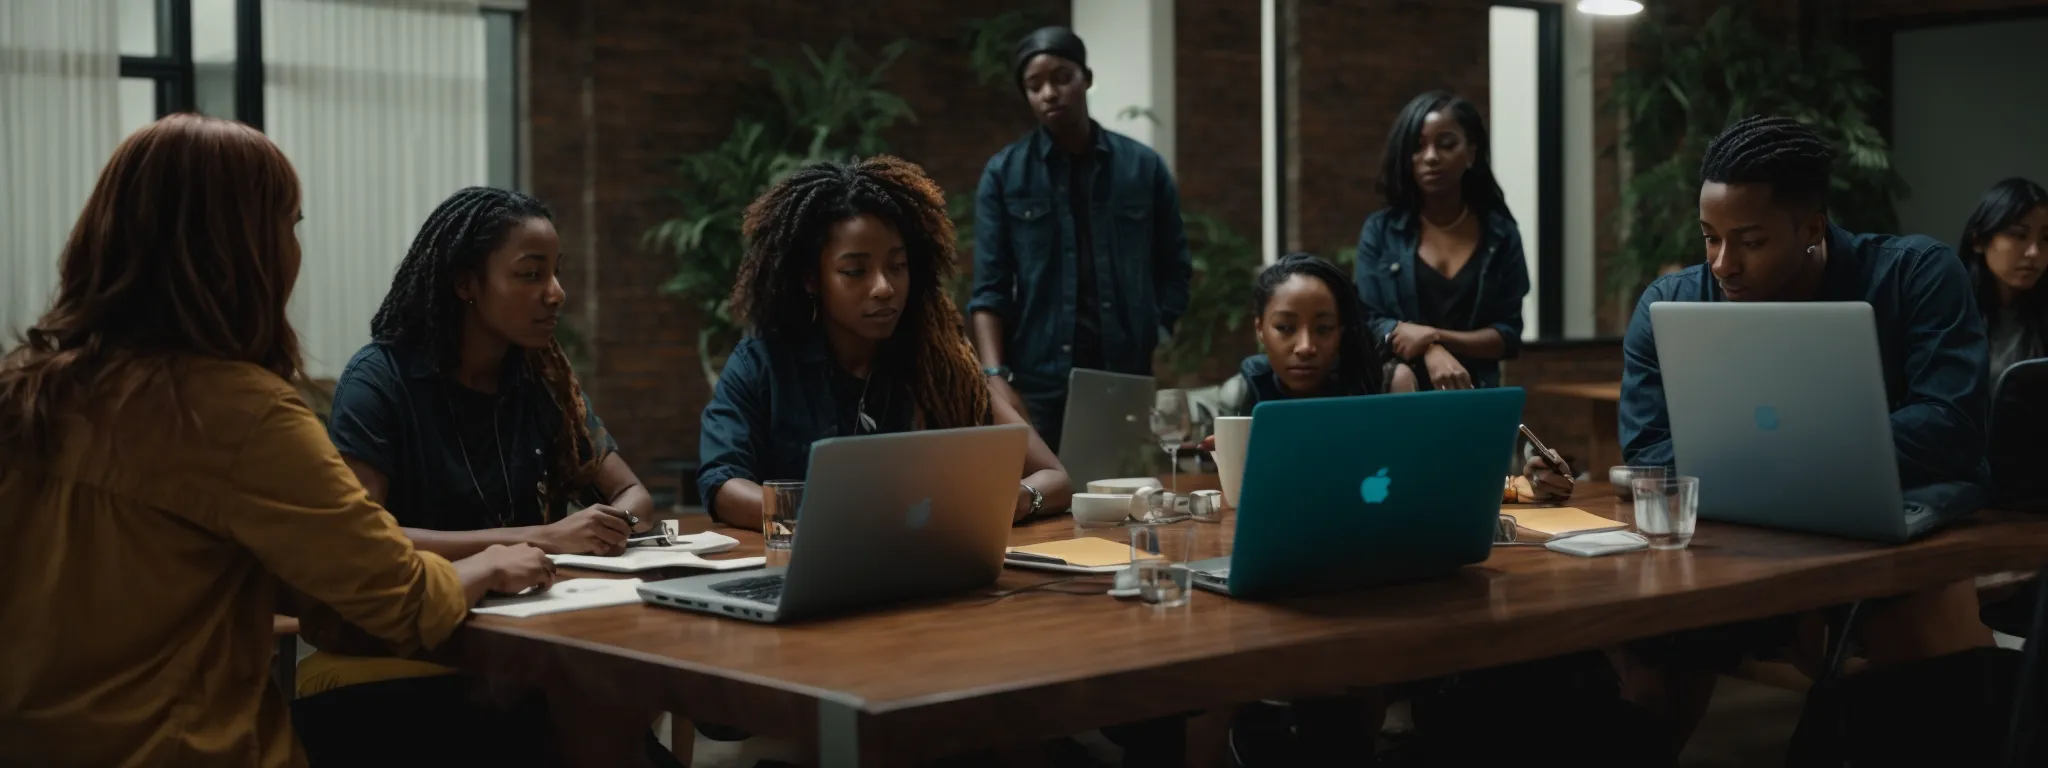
column 1374, row 489
column 1766, row 418
column 919, row 514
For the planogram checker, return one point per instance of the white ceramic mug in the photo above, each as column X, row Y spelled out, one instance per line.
column 1233, row 437
column 1094, row 510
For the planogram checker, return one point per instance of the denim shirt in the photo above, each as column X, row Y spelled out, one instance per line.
column 1929, row 334
column 774, row 398
column 1386, row 282
column 1024, row 254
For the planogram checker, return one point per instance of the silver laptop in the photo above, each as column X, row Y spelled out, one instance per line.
column 1107, row 432
column 884, row 518
column 1779, row 409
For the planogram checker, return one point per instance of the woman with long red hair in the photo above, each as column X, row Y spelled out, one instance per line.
column 160, row 477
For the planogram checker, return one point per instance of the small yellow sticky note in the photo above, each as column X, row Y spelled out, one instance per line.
column 1557, row 521
column 1084, row 552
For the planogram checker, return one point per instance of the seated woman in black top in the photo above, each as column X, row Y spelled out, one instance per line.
column 463, row 418
column 1316, row 346
column 1440, row 269
column 2005, row 247
column 1313, row 332
column 851, row 332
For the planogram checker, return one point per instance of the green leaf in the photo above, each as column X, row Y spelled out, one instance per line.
column 1685, row 84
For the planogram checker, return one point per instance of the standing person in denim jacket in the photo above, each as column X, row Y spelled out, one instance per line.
column 850, row 332
column 1079, row 256
column 1440, row 269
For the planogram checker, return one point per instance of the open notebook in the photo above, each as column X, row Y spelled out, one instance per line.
column 1086, row 554
column 1561, row 521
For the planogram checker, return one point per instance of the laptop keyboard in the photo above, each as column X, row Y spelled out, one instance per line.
column 766, row 589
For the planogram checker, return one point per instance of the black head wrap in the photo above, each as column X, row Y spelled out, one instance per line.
column 1058, row 41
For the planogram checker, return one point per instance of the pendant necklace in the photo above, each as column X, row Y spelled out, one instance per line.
column 497, row 438
column 866, row 423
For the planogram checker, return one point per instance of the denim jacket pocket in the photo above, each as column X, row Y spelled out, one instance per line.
column 1031, row 228
column 1134, row 231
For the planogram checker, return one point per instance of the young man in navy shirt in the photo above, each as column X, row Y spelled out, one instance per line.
column 1764, row 222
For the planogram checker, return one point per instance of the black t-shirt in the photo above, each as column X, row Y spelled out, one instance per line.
column 887, row 403
column 1447, row 302
column 1087, row 307
column 454, row 459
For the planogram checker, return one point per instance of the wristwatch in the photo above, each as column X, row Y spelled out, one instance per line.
column 998, row 370
column 1037, row 500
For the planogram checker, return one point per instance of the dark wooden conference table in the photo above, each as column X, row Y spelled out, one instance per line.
column 896, row 685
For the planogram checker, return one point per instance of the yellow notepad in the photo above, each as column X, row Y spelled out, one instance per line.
column 1557, row 521
column 1084, row 552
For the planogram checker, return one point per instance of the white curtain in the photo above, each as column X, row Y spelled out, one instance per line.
column 60, row 69
column 380, row 106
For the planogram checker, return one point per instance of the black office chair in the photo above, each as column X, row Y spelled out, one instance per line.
column 2018, row 446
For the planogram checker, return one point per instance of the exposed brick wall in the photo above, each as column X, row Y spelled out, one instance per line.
column 1217, row 96
column 663, row 79
column 1564, row 423
column 1359, row 62
column 1895, row 9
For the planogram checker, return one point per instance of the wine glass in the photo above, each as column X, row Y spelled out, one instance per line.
column 1171, row 423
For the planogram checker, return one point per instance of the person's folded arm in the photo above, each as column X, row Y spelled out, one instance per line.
column 1939, row 427
column 734, row 425
column 292, row 502
column 1382, row 311
column 1645, row 423
column 1501, row 336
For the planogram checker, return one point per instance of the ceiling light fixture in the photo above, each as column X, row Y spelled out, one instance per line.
column 1610, row 7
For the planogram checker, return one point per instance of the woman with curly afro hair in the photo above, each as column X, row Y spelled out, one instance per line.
column 850, row 332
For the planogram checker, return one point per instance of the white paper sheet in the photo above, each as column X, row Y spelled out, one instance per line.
column 682, row 555
column 640, row 559
column 571, row 595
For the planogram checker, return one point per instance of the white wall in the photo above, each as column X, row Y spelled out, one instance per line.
column 1512, row 66
column 1581, row 287
column 1130, row 48
column 1970, row 107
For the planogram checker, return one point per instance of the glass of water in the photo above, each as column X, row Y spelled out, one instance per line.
column 1171, row 423
column 780, row 500
column 1667, row 508
column 1160, row 553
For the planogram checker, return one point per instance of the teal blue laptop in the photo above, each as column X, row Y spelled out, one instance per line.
column 1348, row 492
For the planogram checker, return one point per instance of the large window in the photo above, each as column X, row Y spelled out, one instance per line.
column 385, row 107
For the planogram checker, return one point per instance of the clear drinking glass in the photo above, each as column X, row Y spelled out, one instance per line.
column 1160, row 554
column 1667, row 509
column 780, row 501
column 1171, row 423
